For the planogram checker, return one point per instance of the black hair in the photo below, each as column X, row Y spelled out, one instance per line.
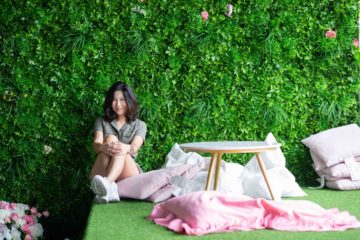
column 130, row 98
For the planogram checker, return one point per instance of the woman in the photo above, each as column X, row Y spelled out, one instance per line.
column 117, row 138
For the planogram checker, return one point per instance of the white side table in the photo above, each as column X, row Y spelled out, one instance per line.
column 217, row 149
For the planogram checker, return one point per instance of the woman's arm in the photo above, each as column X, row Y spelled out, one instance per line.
column 133, row 147
column 98, row 142
column 136, row 143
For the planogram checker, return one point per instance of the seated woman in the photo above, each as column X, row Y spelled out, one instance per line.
column 118, row 135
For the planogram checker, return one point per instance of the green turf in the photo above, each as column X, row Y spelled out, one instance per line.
column 127, row 220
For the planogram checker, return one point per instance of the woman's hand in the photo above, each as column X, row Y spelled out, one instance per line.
column 115, row 149
column 112, row 149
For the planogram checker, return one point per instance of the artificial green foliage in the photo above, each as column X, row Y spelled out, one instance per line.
column 269, row 67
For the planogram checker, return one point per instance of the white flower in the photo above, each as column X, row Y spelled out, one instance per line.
column 19, row 222
column 47, row 150
column 36, row 230
column 20, row 209
column 4, row 232
column 15, row 234
column 4, row 213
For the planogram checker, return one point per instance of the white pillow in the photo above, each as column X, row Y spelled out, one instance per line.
column 281, row 180
column 270, row 159
column 332, row 146
column 177, row 157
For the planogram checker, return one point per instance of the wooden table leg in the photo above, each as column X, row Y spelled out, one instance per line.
column 217, row 170
column 210, row 171
column 263, row 170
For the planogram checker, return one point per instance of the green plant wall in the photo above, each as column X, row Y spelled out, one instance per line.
column 269, row 67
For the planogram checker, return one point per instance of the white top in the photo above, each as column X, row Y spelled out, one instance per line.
column 229, row 146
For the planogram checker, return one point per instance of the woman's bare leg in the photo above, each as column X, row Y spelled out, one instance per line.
column 100, row 166
column 103, row 160
column 115, row 167
column 130, row 168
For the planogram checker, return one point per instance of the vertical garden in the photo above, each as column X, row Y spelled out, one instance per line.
column 290, row 67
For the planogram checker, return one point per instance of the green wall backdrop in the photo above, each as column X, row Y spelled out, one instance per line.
column 269, row 67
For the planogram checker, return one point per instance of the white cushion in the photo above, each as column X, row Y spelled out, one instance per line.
column 332, row 146
column 270, row 159
column 282, row 182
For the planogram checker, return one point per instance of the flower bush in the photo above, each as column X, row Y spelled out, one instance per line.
column 19, row 221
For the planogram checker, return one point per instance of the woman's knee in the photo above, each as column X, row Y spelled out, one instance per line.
column 110, row 138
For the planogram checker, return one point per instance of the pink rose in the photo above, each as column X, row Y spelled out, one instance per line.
column 27, row 237
column 7, row 220
column 356, row 42
column 13, row 205
column 14, row 217
column 29, row 220
column 45, row 213
column 4, row 205
column 34, row 210
column 330, row 34
column 204, row 15
column 26, row 229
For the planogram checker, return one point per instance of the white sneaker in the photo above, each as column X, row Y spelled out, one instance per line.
column 101, row 199
column 113, row 195
column 100, row 185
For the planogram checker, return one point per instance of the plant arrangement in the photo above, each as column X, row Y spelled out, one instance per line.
column 202, row 70
column 18, row 221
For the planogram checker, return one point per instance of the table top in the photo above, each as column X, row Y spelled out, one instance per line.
column 230, row 146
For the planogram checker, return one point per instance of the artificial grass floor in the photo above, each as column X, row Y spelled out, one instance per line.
column 127, row 220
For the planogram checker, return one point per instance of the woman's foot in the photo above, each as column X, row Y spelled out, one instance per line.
column 104, row 190
column 100, row 185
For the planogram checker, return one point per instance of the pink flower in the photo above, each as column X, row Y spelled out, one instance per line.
column 7, row 220
column 26, row 229
column 14, row 217
column 204, row 15
column 13, row 205
column 27, row 237
column 45, row 213
column 330, row 34
column 4, row 205
column 356, row 42
column 34, row 210
column 29, row 220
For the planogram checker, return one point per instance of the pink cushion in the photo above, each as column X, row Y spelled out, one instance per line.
column 338, row 171
column 162, row 194
column 334, row 145
column 205, row 212
column 343, row 184
column 144, row 185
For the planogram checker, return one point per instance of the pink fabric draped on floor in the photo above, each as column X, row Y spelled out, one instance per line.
column 205, row 212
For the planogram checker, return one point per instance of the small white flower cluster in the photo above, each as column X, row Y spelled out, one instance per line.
column 18, row 221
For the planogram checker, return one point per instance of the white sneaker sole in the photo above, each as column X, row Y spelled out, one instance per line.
column 98, row 186
column 101, row 199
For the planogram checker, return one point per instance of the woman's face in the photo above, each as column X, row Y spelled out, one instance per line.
column 119, row 104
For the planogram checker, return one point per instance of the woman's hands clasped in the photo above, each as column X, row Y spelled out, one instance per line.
column 115, row 148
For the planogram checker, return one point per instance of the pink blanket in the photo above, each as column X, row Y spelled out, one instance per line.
column 209, row 211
